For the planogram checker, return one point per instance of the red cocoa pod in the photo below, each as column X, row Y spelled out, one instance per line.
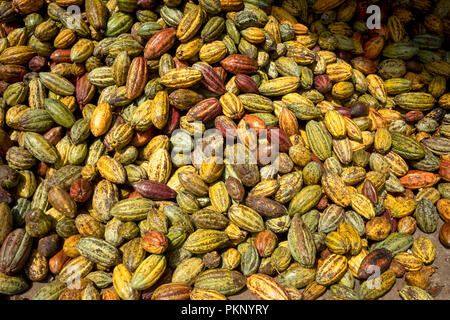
column 370, row 192
column 84, row 90
column 323, row 203
column 5, row 142
column 173, row 121
column 211, row 80
column 81, row 190
column 205, row 110
column 387, row 214
column 226, row 126
column 146, row 4
column 180, row 64
column 160, row 43
column 265, row 243
column 245, row 83
column 137, row 77
column 154, row 190
column 322, row 83
column 344, row 55
column 15, row 251
column 154, row 242
column 413, row 116
column 141, row 138
column 277, row 134
column 380, row 258
column 416, row 179
column 37, row 63
column 61, row 55
column 221, row 72
column 12, row 72
column 54, row 135
column 235, row 188
column 166, row 277
column 444, row 170
column 344, row 111
column 239, row 63
column 265, row 206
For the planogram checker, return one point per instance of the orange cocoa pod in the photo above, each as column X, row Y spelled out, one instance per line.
column 25, row 7
column 416, row 179
column 239, row 63
column 373, row 47
column 231, row 5
column 57, row 262
column 443, row 206
column 444, row 234
column 160, row 43
column 154, row 242
column 444, row 170
column 265, row 243
column 364, row 64
column 288, row 122
column 110, row 294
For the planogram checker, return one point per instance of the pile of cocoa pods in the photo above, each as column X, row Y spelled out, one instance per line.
column 195, row 149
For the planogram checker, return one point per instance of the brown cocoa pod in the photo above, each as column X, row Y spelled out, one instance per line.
column 235, row 188
column 81, row 190
column 37, row 64
column 265, row 206
column 61, row 201
column 49, row 245
column 154, row 190
column 376, row 261
column 54, row 135
column 370, row 192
